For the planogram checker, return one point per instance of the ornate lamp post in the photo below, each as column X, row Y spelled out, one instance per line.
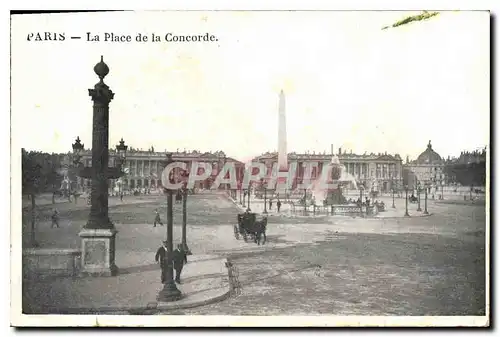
column 406, row 201
column 418, row 197
column 305, row 202
column 425, row 205
column 99, row 233
column 248, row 195
column 265, row 197
column 121, row 148
column 77, row 149
column 184, row 191
column 169, row 292
column 184, row 219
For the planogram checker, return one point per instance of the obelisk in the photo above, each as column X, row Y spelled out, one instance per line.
column 282, row 154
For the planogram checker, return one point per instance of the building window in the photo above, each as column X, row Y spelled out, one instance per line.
column 140, row 169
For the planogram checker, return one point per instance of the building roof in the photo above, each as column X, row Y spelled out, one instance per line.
column 176, row 155
column 327, row 157
column 429, row 156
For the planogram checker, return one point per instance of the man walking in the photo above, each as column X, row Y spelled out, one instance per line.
column 278, row 205
column 180, row 258
column 55, row 219
column 157, row 219
column 161, row 257
column 270, row 203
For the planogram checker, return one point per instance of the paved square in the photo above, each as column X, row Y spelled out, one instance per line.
column 335, row 266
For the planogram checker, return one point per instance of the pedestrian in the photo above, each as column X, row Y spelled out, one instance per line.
column 157, row 219
column 121, row 196
column 270, row 204
column 278, row 204
column 161, row 257
column 55, row 219
column 180, row 258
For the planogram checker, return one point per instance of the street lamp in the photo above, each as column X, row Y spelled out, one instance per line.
column 121, row 148
column 392, row 188
column 305, row 203
column 265, row 197
column 406, row 202
column 248, row 194
column 425, row 205
column 99, row 233
column 77, row 149
column 418, row 197
column 184, row 219
column 169, row 292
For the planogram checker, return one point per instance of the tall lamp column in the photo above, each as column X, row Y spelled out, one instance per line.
column 406, row 201
column 169, row 292
column 121, row 149
column 419, row 209
column 99, row 233
column 425, row 205
column 77, row 149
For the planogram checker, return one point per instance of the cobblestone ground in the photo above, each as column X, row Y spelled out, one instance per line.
column 418, row 266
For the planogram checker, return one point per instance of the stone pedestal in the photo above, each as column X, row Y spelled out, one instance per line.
column 98, row 252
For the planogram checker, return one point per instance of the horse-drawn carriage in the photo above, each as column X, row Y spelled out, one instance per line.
column 249, row 225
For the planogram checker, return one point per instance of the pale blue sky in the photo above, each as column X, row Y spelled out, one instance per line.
column 347, row 82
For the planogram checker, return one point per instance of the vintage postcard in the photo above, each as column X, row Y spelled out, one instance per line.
column 250, row 168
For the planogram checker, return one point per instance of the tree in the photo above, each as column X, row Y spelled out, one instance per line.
column 39, row 175
column 31, row 182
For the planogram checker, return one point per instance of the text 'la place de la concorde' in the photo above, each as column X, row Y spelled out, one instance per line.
column 153, row 37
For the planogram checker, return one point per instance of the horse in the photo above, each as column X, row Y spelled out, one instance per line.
column 259, row 229
column 248, row 225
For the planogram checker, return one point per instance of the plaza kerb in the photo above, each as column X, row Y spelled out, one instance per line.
column 323, row 182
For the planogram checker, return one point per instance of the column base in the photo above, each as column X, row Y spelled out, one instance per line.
column 407, row 215
column 98, row 252
column 169, row 293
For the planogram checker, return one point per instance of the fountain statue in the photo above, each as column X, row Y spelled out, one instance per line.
column 339, row 179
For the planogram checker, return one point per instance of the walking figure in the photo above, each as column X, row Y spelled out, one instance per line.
column 270, row 204
column 55, row 219
column 161, row 257
column 278, row 204
column 121, row 196
column 157, row 219
column 180, row 258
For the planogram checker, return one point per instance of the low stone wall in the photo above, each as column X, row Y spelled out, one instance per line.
column 60, row 262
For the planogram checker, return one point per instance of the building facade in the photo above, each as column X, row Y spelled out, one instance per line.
column 381, row 172
column 143, row 168
column 428, row 169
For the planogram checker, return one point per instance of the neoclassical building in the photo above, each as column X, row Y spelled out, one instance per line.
column 380, row 171
column 428, row 168
column 143, row 168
